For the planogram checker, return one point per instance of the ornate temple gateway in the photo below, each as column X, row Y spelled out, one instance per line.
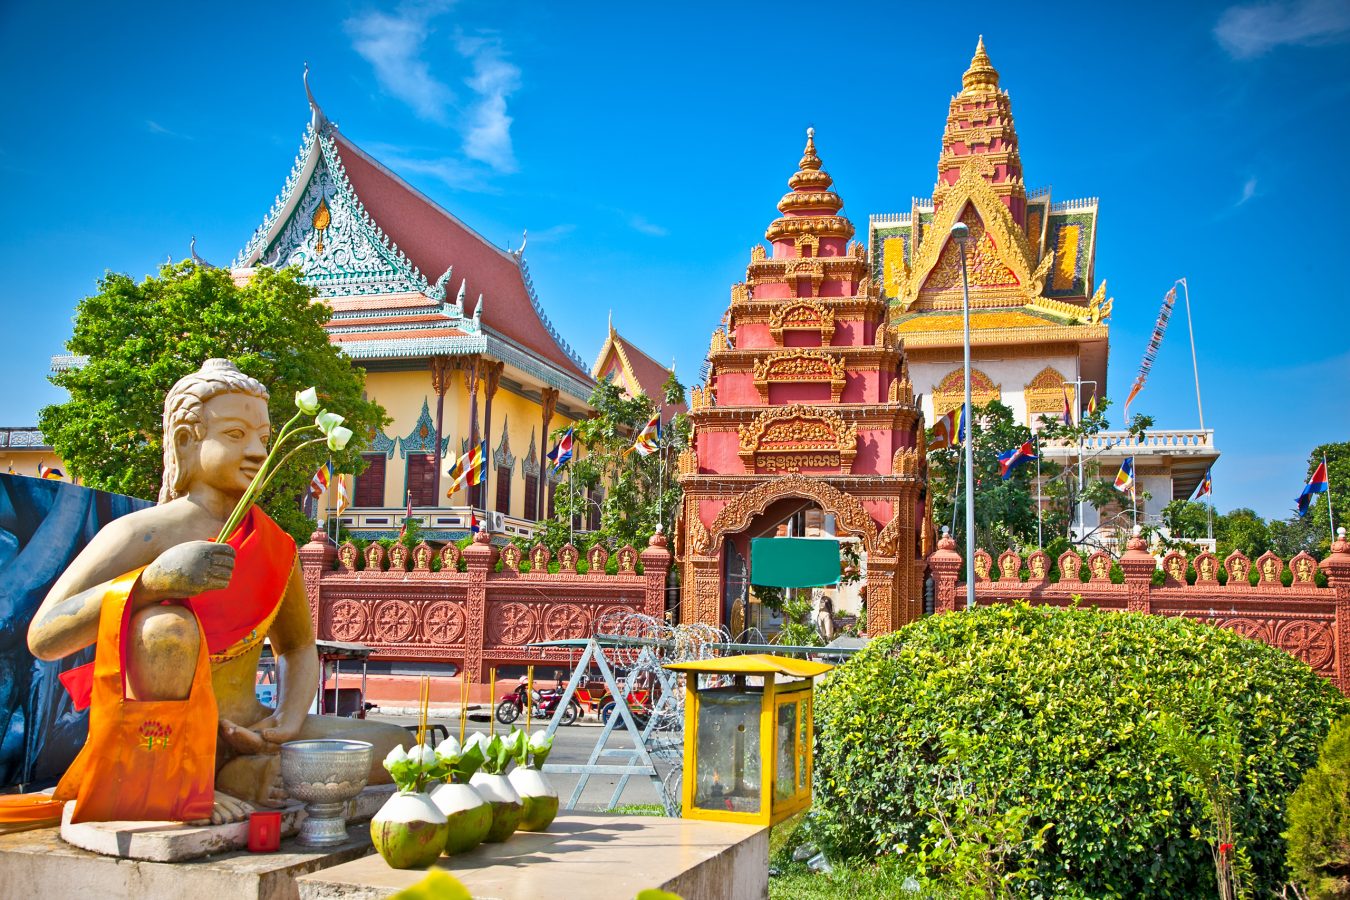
column 807, row 403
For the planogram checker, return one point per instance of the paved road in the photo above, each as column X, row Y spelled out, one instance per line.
column 571, row 745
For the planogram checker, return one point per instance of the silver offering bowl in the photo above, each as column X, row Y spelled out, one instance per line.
column 325, row 774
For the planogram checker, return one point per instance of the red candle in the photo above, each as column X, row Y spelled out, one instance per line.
column 264, row 831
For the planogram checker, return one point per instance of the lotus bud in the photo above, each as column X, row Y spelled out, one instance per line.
column 397, row 755
column 307, row 401
column 450, row 749
column 423, row 755
column 338, row 437
column 327, row 421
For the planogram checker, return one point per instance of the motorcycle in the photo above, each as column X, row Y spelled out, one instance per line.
column 544, row 705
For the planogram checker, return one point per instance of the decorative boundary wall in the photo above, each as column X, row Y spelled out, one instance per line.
column 478, row 618
column 1307, row 621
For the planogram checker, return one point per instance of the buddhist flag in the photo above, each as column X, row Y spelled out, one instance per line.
column 343, row 500
column 943, row 433
column 46, row 471
column 1206, row 488
column 1125, row 477
column 1151, row 351
column 561, row 454
column 11, row 468
column 649, row 439
column 1317, row 484
column 319, row 483
column 469, row 468
column 1011, row 459
column 1092, row 404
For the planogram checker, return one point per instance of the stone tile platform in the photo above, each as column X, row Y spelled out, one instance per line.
column 38, row 865
column 592, row 855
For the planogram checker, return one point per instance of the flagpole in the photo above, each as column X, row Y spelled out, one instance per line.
column 571, row 509
column 1331, row 518
column 955, row 492
column 1040, row 544
column 1195, row 366
column 961, row 232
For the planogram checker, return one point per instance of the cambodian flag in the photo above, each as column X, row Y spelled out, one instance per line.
column 1067, row 418
column 1010, row 459
column 561, row 454
column 1317, row 484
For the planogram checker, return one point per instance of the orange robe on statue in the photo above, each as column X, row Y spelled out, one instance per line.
column 156, row 760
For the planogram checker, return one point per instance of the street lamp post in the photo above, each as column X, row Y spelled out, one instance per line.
column 962, row 233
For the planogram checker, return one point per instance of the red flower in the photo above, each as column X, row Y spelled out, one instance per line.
column 1225, row 849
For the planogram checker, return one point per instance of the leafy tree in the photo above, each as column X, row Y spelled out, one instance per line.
column 1241, row 529
column 1338, row 471
column 636, row 491
column 1005, row 513
column 1319, row 820
column 1187, row 519
column 140, row 338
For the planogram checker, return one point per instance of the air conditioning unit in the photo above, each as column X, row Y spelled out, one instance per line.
column 498, row 522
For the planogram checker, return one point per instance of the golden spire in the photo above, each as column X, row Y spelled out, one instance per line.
column 809, row 176
column 810, row 206
column 981, row 76
column 809, row 159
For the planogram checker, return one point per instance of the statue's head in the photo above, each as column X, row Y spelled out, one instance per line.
column 216, row 404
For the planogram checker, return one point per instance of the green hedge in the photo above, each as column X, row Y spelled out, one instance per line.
column 1040, row 720
column 1319, row 821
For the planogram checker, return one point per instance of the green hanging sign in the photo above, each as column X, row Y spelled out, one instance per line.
column 794, row 562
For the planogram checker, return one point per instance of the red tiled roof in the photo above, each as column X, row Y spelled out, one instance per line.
column 434, row 240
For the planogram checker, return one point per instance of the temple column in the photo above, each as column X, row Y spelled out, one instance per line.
column 440, row 382
column 1138, row 565
column 548, row 402
column 492, row 376
column 655, row 571
column 1337, row 568
column 945, row 564
column 479, row 558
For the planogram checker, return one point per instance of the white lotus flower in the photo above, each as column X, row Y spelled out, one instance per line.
column 327, row 421
column 397, row 755
column 540, row 741
column 338, row 437
column 449, row 748
column 307, row 401
column 423, row 755
column 479, row 739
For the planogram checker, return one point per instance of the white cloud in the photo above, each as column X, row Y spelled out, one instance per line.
column 392, row 43
column 452, row 171
column 638, row 223
column 1248, row 191
column 155, row 128
column 489, row 136
column 1253, row 29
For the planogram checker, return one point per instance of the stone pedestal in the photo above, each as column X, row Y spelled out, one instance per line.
column 38, row 865
column 591, row 855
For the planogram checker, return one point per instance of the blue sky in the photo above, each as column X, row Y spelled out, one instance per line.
column 644, row 147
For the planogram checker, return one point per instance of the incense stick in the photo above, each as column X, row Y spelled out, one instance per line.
column 492, row 702
column 529, row 698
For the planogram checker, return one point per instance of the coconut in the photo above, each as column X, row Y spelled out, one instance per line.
column 505, row 802
column 409, row 831
column 468, row 814
column 538, row 796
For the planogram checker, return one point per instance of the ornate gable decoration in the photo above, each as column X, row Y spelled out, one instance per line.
column 791, row 438
column 802, row 315
column 1045, row 393
column 319, row 224
column 502, row 456
column 950, row 392
column 1002, row 259
column 800, row 367
column 422, row 438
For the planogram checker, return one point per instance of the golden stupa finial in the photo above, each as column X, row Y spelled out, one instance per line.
column 981, row 76
column 809, row 159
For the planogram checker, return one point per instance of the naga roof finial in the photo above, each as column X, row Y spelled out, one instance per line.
column 981, row 76
column 319, row 119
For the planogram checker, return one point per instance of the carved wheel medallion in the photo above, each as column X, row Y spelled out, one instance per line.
column 1248, row 628
column 347, row 620
column 394, row 620
column 444, row 622
column 517, row 621
column 1309, row 641
column 565, row 621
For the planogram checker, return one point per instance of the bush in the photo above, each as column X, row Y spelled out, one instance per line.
column 1319, row 821
column 1050, row 711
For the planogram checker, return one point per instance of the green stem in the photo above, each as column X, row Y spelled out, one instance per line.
column 286, row 458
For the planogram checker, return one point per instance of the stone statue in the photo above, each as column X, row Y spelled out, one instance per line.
column 216, row 429
column 822, row 614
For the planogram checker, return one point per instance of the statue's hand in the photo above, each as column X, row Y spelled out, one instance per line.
column 186, row 570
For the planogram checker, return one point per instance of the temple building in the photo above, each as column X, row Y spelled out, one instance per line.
column 634, row 372
column 448, row 327
column 1039, row 317
column 807, row 408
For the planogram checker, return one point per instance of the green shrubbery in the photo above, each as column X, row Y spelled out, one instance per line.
column 1319, row 821
column 1019, row 746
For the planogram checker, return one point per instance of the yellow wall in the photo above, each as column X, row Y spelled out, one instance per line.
column 25, row 462
column 402, row 394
